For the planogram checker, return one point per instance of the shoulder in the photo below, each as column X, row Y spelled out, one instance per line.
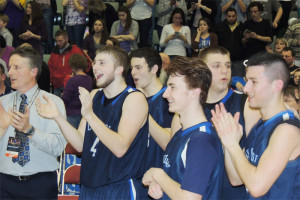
column 134, row 23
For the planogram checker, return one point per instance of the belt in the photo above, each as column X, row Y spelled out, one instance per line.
column 25, row 178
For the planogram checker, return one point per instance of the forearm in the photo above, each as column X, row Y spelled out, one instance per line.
column 130, row 3
column 162, row 136
column 231, row 171
column 78, row 6
column 72, row 135
column 150, row 2
column 263, row 38
column 278, row 15
column 242, row 6
column 122, row 38
column 168, row 185
column 226, row 6
column 206, row 9
column 115, row 142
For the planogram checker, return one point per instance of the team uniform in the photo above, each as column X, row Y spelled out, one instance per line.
column 194, row 159
column 287, row 186
column 159, row 110
column 103, row 175
column 233, row 102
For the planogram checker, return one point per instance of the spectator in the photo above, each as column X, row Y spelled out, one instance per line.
column 33, row 29
column 289, row 56
column 141, row 11
column 239, row 5
column 289, row 97
column 33, row 173
column 270, row 7
column 204, row 36
column 201, row 9
column 59, row 61
column 5, row 51
column 164, row 11
column 280, row 43
column 296, row 77
column 125, row 30
column 15, row 12
column 48, row 15
column 75, row 19
column 176, row 36
column 230, row 34
column 100, row 10
column 4, row 31
column 286, row 11
column 70, row 96
column 96, row 39
column 292, row 35
column 258, row 32
column 4, row 88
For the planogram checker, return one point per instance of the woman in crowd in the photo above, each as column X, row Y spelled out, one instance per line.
column 125, row 30
column 75, row 19
column 204, row 37
column 280, row 43
column 201, row 9
column 71, row 94
column 33, row 29
column 100, row 10
column 96, row 39
column 176, row 36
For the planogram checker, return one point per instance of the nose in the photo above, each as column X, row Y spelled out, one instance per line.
column 166, row 93
column 247, row 87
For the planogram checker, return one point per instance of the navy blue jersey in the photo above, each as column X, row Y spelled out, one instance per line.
column 159, row 110
column 99, row 165
column 287, row 186
column 194, row 159
column 233, row 102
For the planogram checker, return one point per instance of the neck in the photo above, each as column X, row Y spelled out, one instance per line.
column 153, row 88
column 115, row 88
column 258, row 19
column 98, row 35
column 273, row 107
column 192, row 115
column 79, row 72
column 215, row 96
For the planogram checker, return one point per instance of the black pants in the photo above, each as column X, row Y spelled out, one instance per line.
column 39, row 186
column 144, row 28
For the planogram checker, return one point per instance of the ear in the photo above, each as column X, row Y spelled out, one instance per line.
column 119, row 70
column 196, row 92
column 34, row 71
column 154, row 69
column 3, row 76
column 277, row 85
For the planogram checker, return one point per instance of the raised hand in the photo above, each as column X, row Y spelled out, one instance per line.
column 86, row 102
column 20, row 121
column 48, row 109
column 227, row 126
column 5, row 117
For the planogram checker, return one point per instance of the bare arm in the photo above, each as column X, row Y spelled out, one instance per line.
column 78, row 6
column 277, row 17
column 3, row 5
column 5, row 120
column 242, row 6
column 65, row 3
column 17, row 4
column 130, row 3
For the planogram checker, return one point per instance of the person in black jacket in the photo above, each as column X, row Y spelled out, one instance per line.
column 230, row 34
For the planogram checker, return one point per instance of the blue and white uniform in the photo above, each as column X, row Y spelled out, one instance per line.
column 194, row 159
column 159, row 110
column 234, row 102
column 103, row 175
column 287, row 186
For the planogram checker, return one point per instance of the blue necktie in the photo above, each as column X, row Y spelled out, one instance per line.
column 24, row 156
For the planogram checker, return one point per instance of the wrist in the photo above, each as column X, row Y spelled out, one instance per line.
column 30, row 131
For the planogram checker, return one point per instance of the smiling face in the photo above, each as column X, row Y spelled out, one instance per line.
column 258, row 87
column 141, row 73
column 104, row 70
column 220, row 67
column 22, row 77
column 177, row 93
